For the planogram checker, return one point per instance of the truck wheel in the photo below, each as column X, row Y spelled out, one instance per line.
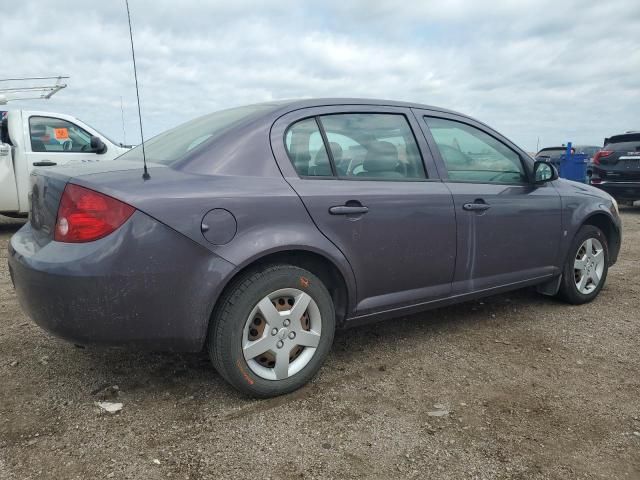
column 586, row 267
column 272, row 330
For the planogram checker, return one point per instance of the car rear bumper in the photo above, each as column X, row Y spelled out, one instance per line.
column 144, row 285
column 620, row 190
column 620, row 185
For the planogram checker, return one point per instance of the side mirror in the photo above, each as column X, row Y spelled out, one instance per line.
column 97, row 145
column 544, row 172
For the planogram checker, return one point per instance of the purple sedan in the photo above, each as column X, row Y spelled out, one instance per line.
column 261, row 229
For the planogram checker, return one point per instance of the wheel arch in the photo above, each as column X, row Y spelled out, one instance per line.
column 607, row 225
column 341, row 291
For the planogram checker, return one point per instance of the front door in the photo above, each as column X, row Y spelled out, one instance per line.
column 54, row 141
column 362, row 178
column 509, row 229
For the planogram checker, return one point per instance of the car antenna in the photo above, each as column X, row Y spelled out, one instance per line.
column 145, row 174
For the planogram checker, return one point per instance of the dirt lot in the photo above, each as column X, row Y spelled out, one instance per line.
column 534, row 389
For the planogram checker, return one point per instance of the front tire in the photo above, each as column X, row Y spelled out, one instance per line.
column 272, row 330
column 586, row 267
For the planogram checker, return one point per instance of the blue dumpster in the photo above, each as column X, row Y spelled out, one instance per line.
column 574, row 167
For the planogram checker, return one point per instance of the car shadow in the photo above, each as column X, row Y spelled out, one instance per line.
column 180, row 376
column 628, row 209
column 11, row 225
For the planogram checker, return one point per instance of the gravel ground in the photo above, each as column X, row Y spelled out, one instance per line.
column 533, row 389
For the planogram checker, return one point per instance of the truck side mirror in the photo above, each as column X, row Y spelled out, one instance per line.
column 97, row 145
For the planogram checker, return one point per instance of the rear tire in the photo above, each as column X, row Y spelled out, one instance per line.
column 586, row 267
column 272, row 330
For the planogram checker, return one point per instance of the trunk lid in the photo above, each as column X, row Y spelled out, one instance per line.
column 47, row 185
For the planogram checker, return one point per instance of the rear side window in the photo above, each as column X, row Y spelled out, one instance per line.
column 472, row 155
column 306, row 149
column 49, row 134
column 372, row 146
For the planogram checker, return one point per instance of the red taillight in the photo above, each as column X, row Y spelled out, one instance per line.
column 85, row 215
column 600, row 154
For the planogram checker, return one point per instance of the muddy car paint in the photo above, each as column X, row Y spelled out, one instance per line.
column 110, row 296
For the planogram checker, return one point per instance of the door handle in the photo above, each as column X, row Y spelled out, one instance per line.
column 348, row 210
column 44, row 163
column 476, row 207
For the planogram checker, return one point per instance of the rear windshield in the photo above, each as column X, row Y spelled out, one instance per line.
column 630, row 142
column 624, row 146
column 175, row 144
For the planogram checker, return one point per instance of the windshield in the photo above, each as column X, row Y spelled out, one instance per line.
column 174, row 144
column 101, row 134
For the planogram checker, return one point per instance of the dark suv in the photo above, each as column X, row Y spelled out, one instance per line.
column 616, row 168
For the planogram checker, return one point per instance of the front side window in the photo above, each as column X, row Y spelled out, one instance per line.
column 471, row 155
column 49, row 134
column 372, row 146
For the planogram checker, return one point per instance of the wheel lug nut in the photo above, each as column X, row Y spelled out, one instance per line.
column 274, row 331
column 292, row 335
column 280, row 344
column 286, row 322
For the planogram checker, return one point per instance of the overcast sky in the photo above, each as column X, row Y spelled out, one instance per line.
column 557, row 70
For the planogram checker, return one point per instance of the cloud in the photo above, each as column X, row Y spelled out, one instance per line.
column 558, row 71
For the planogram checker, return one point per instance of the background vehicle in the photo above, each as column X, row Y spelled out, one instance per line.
column 263, row 228
column 616, row 168
column 589, row 150
column 30, row 139
column 553, row 154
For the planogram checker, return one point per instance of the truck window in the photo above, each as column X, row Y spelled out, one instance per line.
column 50, row 134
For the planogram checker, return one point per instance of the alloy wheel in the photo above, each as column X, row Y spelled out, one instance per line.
column 281, row 334
column 588, row 265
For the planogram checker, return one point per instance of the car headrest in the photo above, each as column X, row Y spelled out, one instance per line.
column 380, row 157
column 37, row 145
column 322, row 165
column 336, row 151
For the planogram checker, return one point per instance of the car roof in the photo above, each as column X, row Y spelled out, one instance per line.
column 288, row 105
column 623, row 137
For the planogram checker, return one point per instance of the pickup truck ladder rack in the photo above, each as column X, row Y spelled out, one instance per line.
column 30, row 88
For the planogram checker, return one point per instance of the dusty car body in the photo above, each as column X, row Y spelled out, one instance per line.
column 384, row 231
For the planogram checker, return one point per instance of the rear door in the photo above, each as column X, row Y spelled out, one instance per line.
column 360, row 172
column 509, row 229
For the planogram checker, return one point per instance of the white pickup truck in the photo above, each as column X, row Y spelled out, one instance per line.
column 31, row 139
